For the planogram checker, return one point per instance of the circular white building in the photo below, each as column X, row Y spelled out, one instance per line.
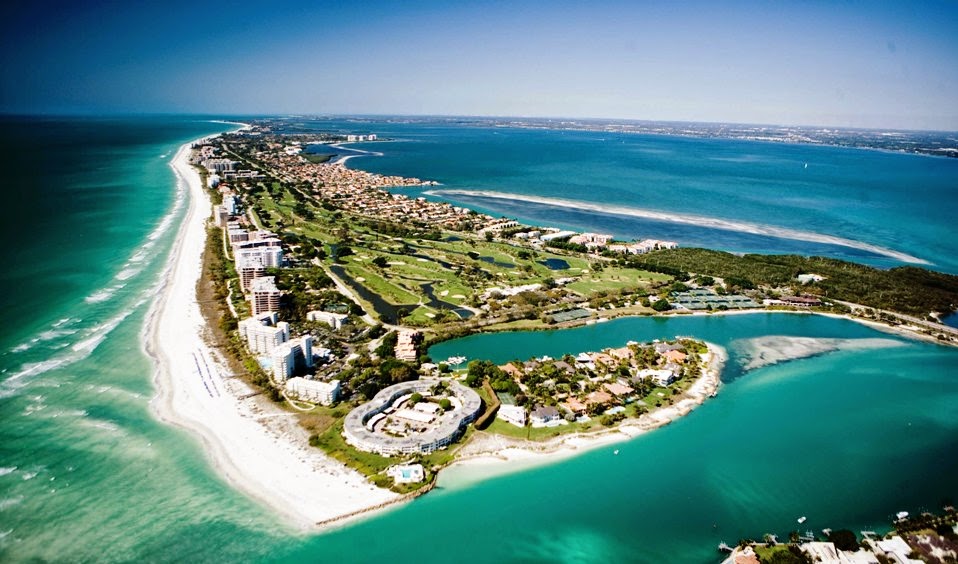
column 390, row 424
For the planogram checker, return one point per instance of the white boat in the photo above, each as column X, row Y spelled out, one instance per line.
column 801, row 519
column 616, row 451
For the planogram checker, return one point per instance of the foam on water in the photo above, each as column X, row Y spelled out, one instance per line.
column 92, row 338
column 690, row 219
column 10, row 502
column 4, row 470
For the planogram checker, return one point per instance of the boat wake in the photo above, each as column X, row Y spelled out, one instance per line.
column 690, row 219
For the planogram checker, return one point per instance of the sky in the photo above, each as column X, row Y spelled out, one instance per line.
column 869, row 64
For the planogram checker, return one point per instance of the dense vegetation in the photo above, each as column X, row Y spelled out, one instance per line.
column 906, row 289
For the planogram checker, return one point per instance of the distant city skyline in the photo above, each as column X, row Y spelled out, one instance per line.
column 853, row 64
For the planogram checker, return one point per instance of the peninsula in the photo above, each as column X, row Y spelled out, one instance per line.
column 322, row 288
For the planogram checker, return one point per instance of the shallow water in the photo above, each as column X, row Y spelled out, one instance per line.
column 86, row 473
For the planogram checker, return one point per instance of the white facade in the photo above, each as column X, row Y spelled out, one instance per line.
column 661, row 378
column 325, row 393
column 512, row 414
column 268, row 257
column 334, row 320
column 262, row 333
column 286, row 355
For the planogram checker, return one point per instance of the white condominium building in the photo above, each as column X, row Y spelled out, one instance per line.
column 291, row 355
column 262, row 333
column 334, row 320
column 324, row 393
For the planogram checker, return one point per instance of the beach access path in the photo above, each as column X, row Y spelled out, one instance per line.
column 256, row 446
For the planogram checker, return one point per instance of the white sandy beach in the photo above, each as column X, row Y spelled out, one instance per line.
column 258, row 447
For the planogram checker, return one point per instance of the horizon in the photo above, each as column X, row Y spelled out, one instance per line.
column 857, row 65
column 215, row 116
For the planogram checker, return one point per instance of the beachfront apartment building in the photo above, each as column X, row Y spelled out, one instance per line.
column 218, row 165
column 316, row 391
column 264, row 294
column 252, row 261
column 290, row 357
column 263, row 333
column 334, row 320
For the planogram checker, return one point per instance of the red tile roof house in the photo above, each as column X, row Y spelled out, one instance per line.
column 511, row 370
column 575, row 406
column 598, row 398
column 675, row 356
column 618, row 390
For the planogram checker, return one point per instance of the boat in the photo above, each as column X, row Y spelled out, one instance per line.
column 616, row 451
column 801, row 519
column 724, row 547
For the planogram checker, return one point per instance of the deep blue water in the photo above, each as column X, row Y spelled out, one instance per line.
column 898, row 202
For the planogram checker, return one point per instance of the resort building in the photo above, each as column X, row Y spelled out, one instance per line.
column 219, row 164
column 324, row 393
column 389, row 425
column 262, row 332
column 334, row 320
column 248, row 274
column 406, row 345
column 265, row 295
column 291, row 356
column 512, row 414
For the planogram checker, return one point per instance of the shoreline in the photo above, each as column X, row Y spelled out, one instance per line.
column 255, row 446
column 498, row 455
column 907, row 332
column 260, row 449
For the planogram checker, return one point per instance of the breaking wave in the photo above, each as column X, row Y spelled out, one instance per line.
column 690, row 219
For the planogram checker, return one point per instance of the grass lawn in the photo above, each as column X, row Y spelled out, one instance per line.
column 614, row 278
column 379, row 285
column 541, row 433
column 331, row 441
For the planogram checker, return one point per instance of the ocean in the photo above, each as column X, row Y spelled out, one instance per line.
column 846, row 437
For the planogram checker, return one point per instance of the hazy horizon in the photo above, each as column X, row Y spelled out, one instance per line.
column 816, row 64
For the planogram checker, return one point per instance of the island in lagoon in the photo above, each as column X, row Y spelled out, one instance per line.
column 321, row 291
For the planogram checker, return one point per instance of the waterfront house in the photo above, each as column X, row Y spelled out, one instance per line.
column 675, row 356
column 512, row 371
column 575, row 406
column 512, row 414
column 617, row 389
column 543, row 415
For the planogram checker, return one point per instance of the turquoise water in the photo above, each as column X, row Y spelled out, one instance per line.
column 86, row 473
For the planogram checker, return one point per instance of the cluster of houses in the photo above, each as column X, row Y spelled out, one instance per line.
column 365, row 192
column 594, row 382
column 893, row 549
